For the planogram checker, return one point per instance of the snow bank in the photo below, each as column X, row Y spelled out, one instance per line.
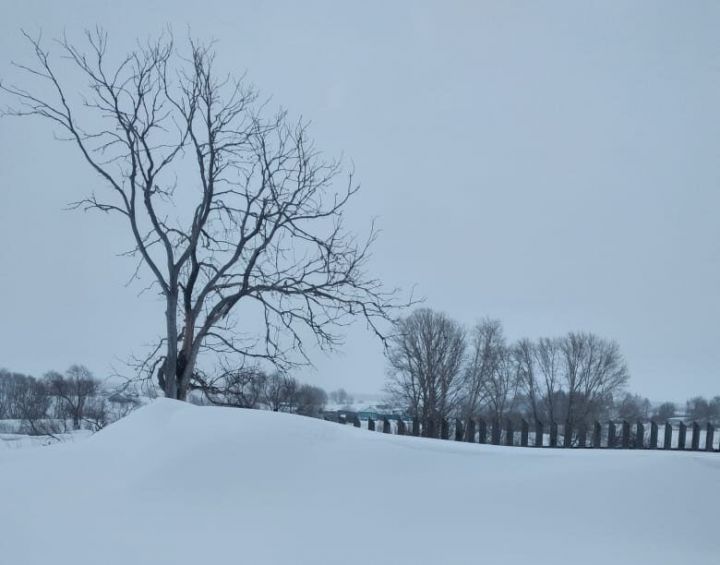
column 178, row 484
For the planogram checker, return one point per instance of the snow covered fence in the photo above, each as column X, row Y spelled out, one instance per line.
column 677, row 436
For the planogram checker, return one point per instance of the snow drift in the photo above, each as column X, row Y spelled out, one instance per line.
column 182, row 485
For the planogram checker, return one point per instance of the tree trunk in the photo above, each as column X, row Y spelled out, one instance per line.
column 187, row 357
column 171, row 359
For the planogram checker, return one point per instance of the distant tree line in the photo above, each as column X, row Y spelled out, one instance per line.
column 698, row 409
column 58, row 403
column 254, row 388
column 438, row 369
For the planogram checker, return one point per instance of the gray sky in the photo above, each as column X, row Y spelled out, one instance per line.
column 552, row 164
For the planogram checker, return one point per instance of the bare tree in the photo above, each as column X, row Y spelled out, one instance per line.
column 484, row 358
column 281, row 393
column 569, row 379
column 593, row 371
column 524, row 352
column 226, row 205
column 491, row 377
column 665, row 411
column 633, row 407
column 13, row 388
column 340, row 396
column 425, row 361
column 700, row 408
column 73, row 392
column 311, row 400
column 548, row 360
column 33, row 404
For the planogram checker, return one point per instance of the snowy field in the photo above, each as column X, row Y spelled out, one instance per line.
column 18, row 441
column 178, row 484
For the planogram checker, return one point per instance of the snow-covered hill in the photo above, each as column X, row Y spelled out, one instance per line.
column 178, row 484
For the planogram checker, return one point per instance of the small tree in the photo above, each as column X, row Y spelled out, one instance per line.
column 311, row 400
column 548, row 360
column 593, row 371
column 33, row 403
column 523, row 353
column 73, row 392
column 492, row 374
column 633, row 407
column 700, row 408
column 715, row 409
column 665, row 411
column 340, row 396
column 281, row 392
column 425, row 359
column 13, row 390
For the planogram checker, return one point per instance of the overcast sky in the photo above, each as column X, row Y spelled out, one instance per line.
column 555, row 165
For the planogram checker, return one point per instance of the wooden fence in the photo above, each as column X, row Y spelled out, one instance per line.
column 614, row 435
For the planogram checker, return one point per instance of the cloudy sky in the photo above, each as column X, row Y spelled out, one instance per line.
column 555, row 165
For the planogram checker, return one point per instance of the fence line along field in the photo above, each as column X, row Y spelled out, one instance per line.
column 677, row 436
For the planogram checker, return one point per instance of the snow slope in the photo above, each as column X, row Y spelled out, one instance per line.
column 178, row 484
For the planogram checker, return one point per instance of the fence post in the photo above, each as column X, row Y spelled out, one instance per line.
column 470, row 432
column 597, row 435
column 509, row 433
column 482, row 431
column 696, row 436
column 444, row 429
column 625, row 434
column 653, row 435
column 553, row 434
column 709, row 433
column 416, row 427
column 459, row 432
column 524, row 433
column 640, row 435
column 402, row 428
column 387, row 428
column 371, row 424
column 682, row 435
column 567, row 435
column 539, row 434
column 611, row 434
column 495, row 433
column 582, row 435
column 667, row 443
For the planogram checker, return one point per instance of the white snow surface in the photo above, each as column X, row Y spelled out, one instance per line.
column 180, row 484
